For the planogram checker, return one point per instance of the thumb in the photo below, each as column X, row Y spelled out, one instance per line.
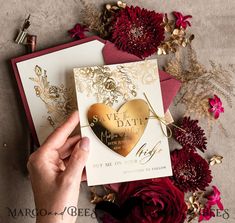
column 78, row 160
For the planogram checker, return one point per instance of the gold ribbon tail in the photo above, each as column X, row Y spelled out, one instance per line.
column 161, row 120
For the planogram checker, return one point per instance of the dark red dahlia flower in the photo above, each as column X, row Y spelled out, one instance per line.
column 193, row 135
column 190, row 171
column 137, row 31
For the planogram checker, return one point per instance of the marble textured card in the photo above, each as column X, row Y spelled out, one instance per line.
column 118, row 107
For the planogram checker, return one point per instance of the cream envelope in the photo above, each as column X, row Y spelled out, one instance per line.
column 127, row 142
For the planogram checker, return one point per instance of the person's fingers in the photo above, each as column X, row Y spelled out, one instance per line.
column 66, row 161
column 61, row 165
column 60, row 135
column 77, row 161
column 66, row 150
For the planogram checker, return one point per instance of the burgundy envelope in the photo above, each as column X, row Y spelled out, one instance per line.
column 169, row 85
column 111, row 55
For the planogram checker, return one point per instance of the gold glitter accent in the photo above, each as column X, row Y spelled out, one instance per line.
column 59, row 101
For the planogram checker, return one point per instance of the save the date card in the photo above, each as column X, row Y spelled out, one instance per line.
column 121, row 110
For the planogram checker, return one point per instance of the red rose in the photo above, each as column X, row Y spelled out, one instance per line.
column 159, row 201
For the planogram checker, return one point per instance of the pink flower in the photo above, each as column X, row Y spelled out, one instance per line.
column 78, row 31
column 206, row 214
column 182, row 20
column 215, row 199
column 216, row 106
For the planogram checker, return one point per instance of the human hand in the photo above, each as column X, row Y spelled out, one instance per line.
column 55, row 171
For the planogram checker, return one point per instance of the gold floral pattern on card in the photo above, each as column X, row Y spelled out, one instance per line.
column 109, row 84
column 59, row 100
column 105, row 84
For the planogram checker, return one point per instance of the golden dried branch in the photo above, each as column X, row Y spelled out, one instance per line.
column 91, row 16
column 200, row 83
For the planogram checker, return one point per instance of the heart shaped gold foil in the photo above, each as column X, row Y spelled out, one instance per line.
column 119, row 130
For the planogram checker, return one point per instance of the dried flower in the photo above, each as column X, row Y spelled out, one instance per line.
column 176, row 37
column 117, row 6
column 215, row 199
column 216, row 106
column 107, row 17
column 198, row 83
column 138, row 31
column 121, row 4
column 97, row 198
column 182, row 20
column 206, row 214
column 91, row 17
column 168, row 24
column 193, row 135
column 78, row 31
column 195, row 205
column 190, row 171
column 216, row 159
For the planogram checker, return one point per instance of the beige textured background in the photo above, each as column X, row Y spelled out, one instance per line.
column 214, row 27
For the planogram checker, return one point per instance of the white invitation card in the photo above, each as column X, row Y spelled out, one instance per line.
column 120, row 108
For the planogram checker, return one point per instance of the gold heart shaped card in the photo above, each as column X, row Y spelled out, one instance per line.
column 121, row 110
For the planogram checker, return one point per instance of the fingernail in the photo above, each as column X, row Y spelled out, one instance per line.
column 85, row 144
